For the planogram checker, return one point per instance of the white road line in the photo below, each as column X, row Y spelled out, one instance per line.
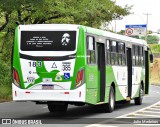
column 149, row 112
column 125, row 115
column 153, row 109
column 146, row 115
column 45, row 107
column 156, row 106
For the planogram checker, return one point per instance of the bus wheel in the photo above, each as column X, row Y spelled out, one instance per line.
column 57, row 108
column 109, row 107
column 138, row 100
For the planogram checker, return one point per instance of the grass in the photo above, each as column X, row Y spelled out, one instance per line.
column 155, row 48
column 155, row 72
column 5, row 93
column 5, row 82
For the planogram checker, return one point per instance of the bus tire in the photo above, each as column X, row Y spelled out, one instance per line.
column 109, row 107
column 138, row 100
column 57, row 108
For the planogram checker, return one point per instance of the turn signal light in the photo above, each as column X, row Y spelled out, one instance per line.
column 79, row 78
column 16, row 79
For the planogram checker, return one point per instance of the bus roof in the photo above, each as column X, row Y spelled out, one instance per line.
column 115, row 36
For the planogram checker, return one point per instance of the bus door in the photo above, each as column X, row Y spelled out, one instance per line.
column 101, row 69
column 129, row 68
column 146, row 72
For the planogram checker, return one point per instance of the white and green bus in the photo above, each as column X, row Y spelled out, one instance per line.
column 61, row 64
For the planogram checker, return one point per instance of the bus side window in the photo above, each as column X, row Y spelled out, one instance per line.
column 133, row 56
column 124, row 55
column 120, row 53
column 91, row 50
column 140, row 56
column 136, row 55
column 114, row 54
column 108, row 54
column 114, row 46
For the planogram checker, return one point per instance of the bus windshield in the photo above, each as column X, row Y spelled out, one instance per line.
column 48, row 40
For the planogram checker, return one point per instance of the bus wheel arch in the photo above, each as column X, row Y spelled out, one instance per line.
column 114, row 88
column 109, row 107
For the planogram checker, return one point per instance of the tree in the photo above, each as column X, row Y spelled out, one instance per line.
column 122, row 32
column 86, row 12
column 151, row 39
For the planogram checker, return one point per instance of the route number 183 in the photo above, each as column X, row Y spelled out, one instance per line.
column 35, row 64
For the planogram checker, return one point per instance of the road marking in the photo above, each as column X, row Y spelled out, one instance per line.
column 146, row 115
column 128, row 114
column 156, row 106
column 152, row 108
column 150, row 112
column 135, row 114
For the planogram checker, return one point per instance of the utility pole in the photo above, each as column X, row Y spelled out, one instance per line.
column 115, row 19
column 147, row 14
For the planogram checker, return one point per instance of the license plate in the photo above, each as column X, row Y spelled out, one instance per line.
column 47, row 87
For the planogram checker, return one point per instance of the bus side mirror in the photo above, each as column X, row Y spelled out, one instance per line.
column 151, row 58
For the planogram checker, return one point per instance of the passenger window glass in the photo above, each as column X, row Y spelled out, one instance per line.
column 107, row 45
column 121, row 48
column 133, row 55
column 123, row 59
column 90, row 43
column 91, row 50
column 114, row 46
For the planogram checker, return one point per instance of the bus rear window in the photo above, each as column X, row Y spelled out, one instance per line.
column 48, row 40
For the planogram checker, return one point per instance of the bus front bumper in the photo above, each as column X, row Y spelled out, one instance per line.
column 76, row 95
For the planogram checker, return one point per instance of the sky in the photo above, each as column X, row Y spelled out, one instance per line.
column 140, row 7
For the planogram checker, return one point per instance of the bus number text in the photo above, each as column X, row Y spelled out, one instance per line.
column 35, row 64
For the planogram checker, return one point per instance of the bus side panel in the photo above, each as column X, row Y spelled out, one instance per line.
column 92, row 93
column 111, row 78
column 142, row 78
column 16, row 59
column 80, row 59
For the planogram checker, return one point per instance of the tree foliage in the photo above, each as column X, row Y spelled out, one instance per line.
column 151, row 39
column 85, row 12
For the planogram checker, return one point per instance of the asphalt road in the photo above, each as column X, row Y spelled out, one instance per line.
column 79, row 115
